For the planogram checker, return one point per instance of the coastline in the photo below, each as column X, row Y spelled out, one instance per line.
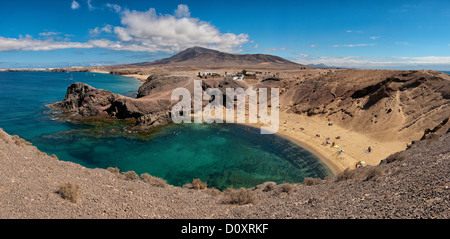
column 352, row 143
column 141, row 78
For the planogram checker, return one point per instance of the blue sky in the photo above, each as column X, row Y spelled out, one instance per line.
column 362, row 34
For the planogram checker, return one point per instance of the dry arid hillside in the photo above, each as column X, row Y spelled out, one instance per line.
column 410, row 184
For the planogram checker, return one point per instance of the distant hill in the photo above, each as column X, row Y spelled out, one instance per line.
column 323, row 66
column 198, row 56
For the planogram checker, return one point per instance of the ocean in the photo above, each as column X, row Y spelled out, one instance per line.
column 220, row 154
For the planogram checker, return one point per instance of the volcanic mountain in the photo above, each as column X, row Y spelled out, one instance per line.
column 198, row 56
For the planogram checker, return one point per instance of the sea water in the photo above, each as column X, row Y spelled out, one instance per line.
column 223, row 155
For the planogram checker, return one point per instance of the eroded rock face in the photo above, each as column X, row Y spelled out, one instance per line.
column 370, row 101
column 83, row 100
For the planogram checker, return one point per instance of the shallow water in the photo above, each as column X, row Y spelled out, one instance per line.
column 220, row 154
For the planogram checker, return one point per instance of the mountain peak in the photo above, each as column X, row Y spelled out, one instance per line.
column 200, row 56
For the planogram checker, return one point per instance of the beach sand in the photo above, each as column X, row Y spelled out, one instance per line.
column 142, row 78
column 353, row 144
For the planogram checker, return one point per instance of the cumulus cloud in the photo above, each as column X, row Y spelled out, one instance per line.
column 29, row 44
column 49, row 34
column 75, row 5
column 141, row 32
column 182, row 11
column 114, row 7
column 96, row 31
column 171, row 33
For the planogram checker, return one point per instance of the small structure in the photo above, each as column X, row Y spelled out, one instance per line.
column 204, row 75
column 238, row 77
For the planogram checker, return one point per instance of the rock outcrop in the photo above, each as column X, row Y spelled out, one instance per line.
column 82, row 100
column 150, row 109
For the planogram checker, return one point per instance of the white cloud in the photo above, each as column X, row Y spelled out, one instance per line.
column 49, row 34
column 375, row 37
column 355, row 45
column 90, row 5
column 75, row 5
column 314, row 45
column 303, row 55
column 182, row 11
column 116, row 8
column 96, row 31
column 170, row 33
column 30, row 44
column 392, row 62
column 275, row 49
column 141, row 32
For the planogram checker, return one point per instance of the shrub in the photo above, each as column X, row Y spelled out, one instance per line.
column 399, row 156
column 312, row 181
column 130, row 175
column 19, row 141
column 239, row 196
column 374, row 172
column 3, row 136
column 213, row 192
column 286, row 188
column 154, row 181
column 69, row 191
column 345, row 175
column 198, row 184
column 269, row 187
column 113, row 170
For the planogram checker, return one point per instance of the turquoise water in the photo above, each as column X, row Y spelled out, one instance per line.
column 220, row 154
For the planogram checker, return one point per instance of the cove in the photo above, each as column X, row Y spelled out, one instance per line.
column 223, row 155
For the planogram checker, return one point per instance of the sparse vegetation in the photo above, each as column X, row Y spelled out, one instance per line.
column 69, row 191
column 286, row 188
column 198, row 184
column 154, row 181
column 269, row 187
column 399, row 156
column 345, row 175
column 213, row 192
column 113, row 170
column 130, row 175
column 374, row 172
column 312, row 181
column 3, row 136
column 19, row 141
column 239, row 196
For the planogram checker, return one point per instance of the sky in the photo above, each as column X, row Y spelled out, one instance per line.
column 358, row 34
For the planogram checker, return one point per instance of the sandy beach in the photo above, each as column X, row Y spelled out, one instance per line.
column 142, row 78
column 353, row 144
